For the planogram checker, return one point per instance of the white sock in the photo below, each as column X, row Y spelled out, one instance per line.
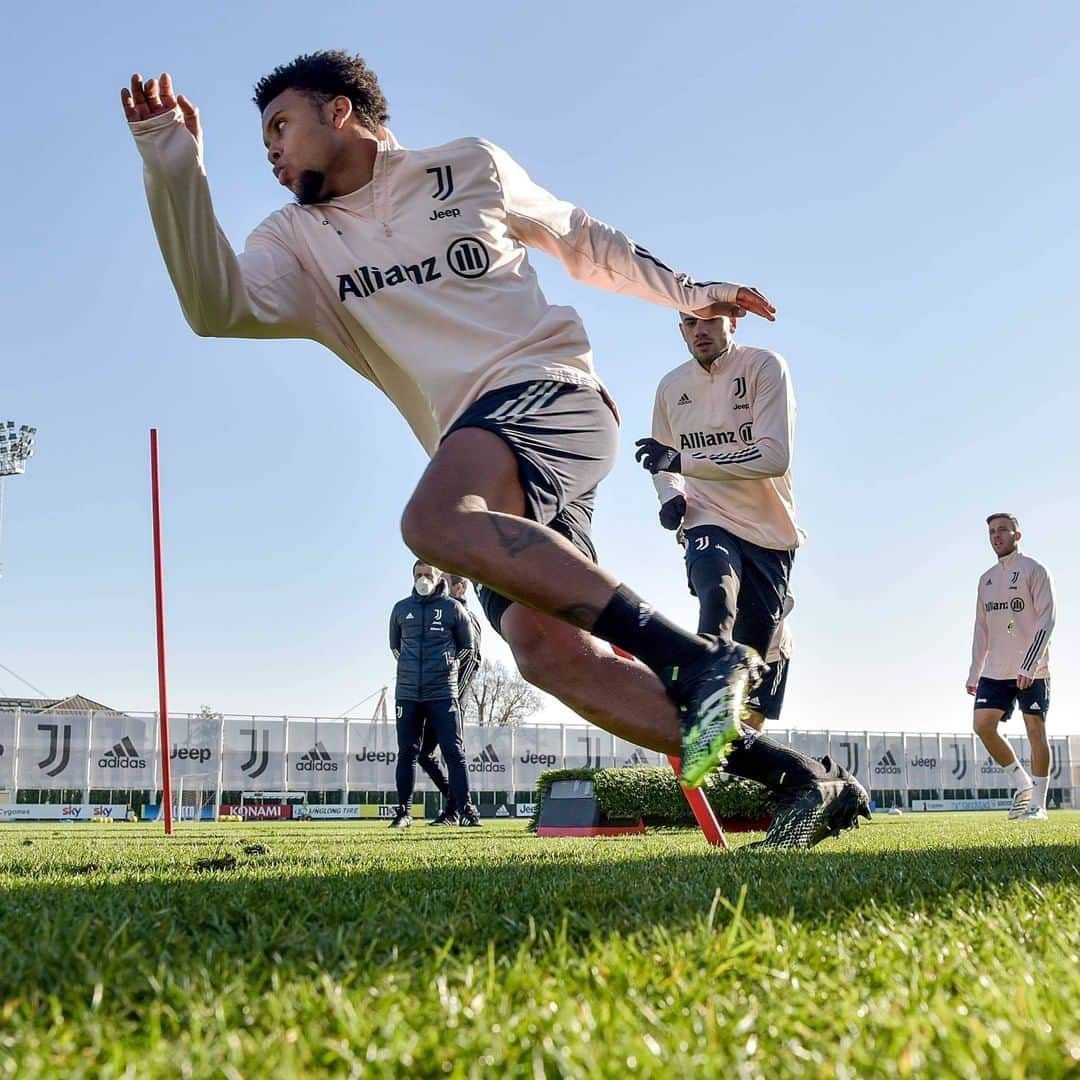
column 1018, row 776
column 1038, row 796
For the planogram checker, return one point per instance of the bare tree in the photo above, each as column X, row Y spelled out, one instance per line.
column 499, row 697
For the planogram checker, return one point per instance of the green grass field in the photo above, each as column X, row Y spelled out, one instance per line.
column 929, row 946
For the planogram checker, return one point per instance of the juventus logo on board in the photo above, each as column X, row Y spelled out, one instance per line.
column 56, row 749
column 852, row 749
column 960, row 765
column 444, row 182
column 256, row 764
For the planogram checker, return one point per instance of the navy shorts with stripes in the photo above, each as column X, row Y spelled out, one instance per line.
column 1004, row 694
column 564, row 438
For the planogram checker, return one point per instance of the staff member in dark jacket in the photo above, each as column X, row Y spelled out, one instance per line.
column 428, row 632
column 468, row 665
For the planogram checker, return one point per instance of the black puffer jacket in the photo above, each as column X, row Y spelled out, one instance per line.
column 427, row 635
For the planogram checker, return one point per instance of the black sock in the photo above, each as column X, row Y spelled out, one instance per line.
column 772, row 764
column 637, row 627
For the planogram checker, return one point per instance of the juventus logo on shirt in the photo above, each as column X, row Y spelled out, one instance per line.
column 444, row 182
column 740, row 386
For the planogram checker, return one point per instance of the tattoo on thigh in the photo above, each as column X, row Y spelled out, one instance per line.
column 583, row 615
column 516, row 535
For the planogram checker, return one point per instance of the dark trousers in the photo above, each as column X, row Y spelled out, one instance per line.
column 444, row 718
column 430, row 764
column 740, row 586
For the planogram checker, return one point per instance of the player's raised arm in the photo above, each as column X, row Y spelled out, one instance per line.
column 600, row 255
column 257, row 294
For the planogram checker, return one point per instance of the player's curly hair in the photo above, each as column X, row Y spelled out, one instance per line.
column 328, row 74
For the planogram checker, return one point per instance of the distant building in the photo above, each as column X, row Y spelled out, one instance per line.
column 74, row 703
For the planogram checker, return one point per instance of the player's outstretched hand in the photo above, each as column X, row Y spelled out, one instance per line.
column 747, row 300
column 155, row 97
column 656, row 457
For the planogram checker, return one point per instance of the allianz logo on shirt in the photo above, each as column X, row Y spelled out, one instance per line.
column 697, row 440
column 1015, row 604
column 466, row 257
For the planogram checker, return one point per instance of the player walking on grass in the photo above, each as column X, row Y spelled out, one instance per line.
column 720, row 456
column 411, row 266
column 1010, row 662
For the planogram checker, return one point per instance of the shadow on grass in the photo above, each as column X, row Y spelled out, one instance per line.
column 286, row 917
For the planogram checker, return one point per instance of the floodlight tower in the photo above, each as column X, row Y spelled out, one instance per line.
column 16, row 449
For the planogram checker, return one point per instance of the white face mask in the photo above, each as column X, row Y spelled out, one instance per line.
column 424, row 585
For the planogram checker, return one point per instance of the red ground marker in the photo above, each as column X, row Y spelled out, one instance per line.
column 699, row 805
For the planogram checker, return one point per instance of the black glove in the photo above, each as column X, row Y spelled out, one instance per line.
column 656, row 457
column 672, row 512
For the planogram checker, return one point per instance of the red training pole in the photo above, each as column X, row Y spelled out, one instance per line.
column 159, row 598
column 702, row 809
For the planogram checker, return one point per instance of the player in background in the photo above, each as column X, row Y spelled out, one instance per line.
column 1010, row 662
column 720, row 456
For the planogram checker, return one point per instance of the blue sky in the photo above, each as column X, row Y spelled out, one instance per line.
column 900, row 180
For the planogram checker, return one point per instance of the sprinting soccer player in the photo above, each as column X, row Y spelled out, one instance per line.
column 411, row 266
column 429, row 634
column 720, row 457
column 1010, row 662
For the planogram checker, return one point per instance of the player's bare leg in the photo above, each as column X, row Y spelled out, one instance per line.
column 1040, row 764
column 1040, row 745
column 616, row 694
column 986, row 727
column 468, row 515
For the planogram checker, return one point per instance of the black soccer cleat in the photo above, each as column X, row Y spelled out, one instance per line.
column 402, row 819
column 809, row 814
column 447, row 817
column 711, row 698
column 469, row 818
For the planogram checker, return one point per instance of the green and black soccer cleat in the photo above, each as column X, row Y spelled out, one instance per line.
column 711, row 697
